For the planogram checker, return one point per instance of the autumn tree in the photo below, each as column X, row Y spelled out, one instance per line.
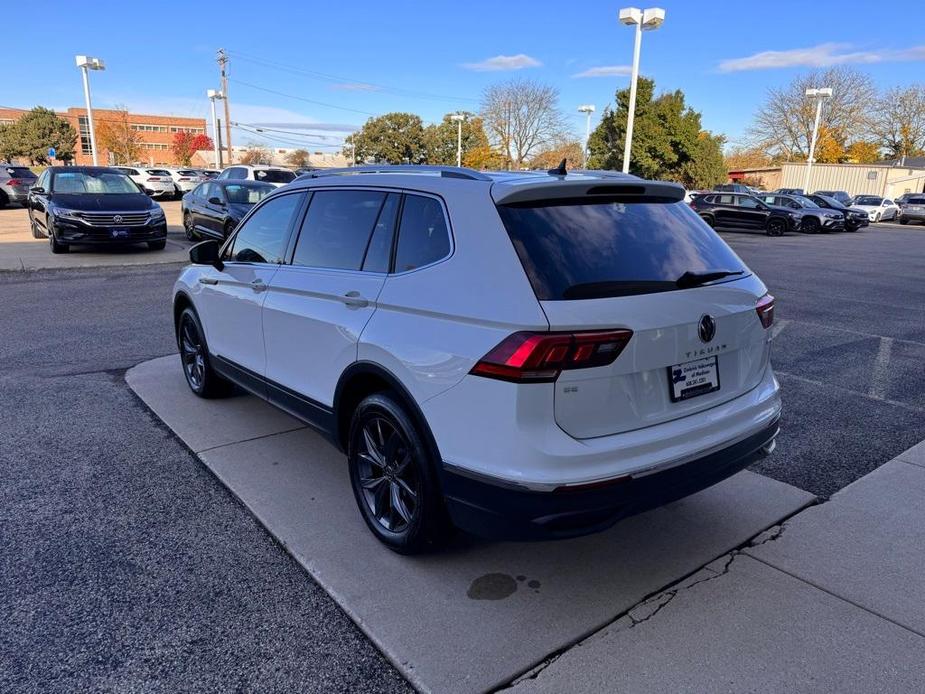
column 668, row 139
column 255, row 154
column 298, row 158
column 862, row 152
column 115, row 135
column 394, row 138
column 186, row 144
column 551, row 157
column 747, row 158
column 522, row 117
column 898, row 121
column 783, row 125
column 485, row 158
column 441, row 138
column 35, row 132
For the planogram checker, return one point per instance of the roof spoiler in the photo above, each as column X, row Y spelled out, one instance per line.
column 605, row 187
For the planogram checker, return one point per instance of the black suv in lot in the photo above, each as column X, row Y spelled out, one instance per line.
column 743, row 213
column 96, row 205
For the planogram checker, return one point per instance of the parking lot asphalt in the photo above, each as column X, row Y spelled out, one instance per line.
column 125, row 565
column 849, row 349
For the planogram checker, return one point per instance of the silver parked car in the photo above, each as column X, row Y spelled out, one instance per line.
column 15, row 182
column 913, row 210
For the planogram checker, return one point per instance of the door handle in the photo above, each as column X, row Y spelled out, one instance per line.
column 258, row 286
column 208, row 280
column 355, row 300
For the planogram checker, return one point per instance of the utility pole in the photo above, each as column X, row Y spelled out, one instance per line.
column 222, row 62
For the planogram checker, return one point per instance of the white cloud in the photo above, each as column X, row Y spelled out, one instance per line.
column 355, row 87
column 823, row 55
column 606, row 71
column 504, row 62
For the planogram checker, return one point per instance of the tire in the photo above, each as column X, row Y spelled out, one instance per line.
column 4, row 200
column 776, row 227
column 194, row 356
column 56, row 247
column 36, row 234
column 157, row 245
column 875, row 219
column 708, row 218
column 903, row 221
column 393, row 476
column 191, row 234
column 811, row 225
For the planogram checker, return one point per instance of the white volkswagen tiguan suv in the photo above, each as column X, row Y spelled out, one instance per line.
column 520, row 355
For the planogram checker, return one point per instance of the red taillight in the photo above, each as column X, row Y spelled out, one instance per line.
column 527, row 357
column 14, row 182
column 765, row 309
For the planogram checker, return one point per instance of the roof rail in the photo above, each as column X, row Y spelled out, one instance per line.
column 443, row 171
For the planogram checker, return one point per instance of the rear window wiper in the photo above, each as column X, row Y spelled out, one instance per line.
column 695, row 279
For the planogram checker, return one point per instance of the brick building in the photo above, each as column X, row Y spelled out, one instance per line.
column 156, row 132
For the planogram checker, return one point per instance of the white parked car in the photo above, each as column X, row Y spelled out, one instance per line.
column 275, row 175
column 158, row 183
column 185, row 179
column 878, row 209
column 520, row 355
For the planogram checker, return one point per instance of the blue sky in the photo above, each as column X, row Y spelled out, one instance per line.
column 325, row 66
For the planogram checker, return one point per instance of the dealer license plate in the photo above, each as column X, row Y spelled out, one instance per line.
column 693, row 378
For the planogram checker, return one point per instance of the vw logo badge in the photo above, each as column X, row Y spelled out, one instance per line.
column 117, row 219
column 707, row 328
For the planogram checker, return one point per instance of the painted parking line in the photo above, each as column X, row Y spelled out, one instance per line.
column 880, row 378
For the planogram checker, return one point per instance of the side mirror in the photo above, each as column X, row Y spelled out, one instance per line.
column 206, row 253
column 215, row 201
column 38, row 190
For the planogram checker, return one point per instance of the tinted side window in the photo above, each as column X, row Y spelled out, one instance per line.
column 725, row 200
column 379, row 252
column 746, row 201
column 337, row 229
column 422, row 235
column 263, row 237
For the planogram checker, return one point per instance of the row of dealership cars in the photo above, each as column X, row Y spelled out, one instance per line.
column 738, row 207
column 101, row 205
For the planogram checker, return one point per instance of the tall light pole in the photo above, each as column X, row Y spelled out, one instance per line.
column 644, row 20
column 459, row 118
column 86, row 63
column 587, row 109
column 214, row 94
column 821, row 95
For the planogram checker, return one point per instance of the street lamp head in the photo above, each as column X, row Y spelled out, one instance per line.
column 823, row 93
column 652, row 18
column 630, row 16
column 586, row 108
column 458, row 117
column 90, row 63
column 215, row 94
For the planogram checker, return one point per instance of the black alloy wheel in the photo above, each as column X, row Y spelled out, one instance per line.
column 194, row 354
column 393, row 478
column 776, row 227
column 188, row 227
column 811, row 225
column 53, row 242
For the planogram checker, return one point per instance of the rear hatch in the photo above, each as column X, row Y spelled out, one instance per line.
column 619, row 262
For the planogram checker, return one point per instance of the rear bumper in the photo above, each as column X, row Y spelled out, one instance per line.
column 510, row 513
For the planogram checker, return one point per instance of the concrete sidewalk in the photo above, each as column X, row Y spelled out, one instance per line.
column 831, row 600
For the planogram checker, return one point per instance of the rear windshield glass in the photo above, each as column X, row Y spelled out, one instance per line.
column 868, row 200
column 20, row 172
column 274, row 175
column 240, row 194
column 916, row 201
column 158, row 172
column 586, row 251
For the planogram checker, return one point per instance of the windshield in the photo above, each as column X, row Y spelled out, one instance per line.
column 804, row 202
column 579, row 250
column 20, row 172
column 95, row 183
column 868, row 200
column 274, row 175
column 247, row 194
column 832, row 202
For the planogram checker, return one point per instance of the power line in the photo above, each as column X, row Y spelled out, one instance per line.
column 334, row 78
column 257, row 126
column 275, row 138
column 300, row 98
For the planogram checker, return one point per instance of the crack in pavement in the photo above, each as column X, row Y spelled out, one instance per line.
column 659, row 599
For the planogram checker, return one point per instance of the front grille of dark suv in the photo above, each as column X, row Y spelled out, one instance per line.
column 108, row 219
